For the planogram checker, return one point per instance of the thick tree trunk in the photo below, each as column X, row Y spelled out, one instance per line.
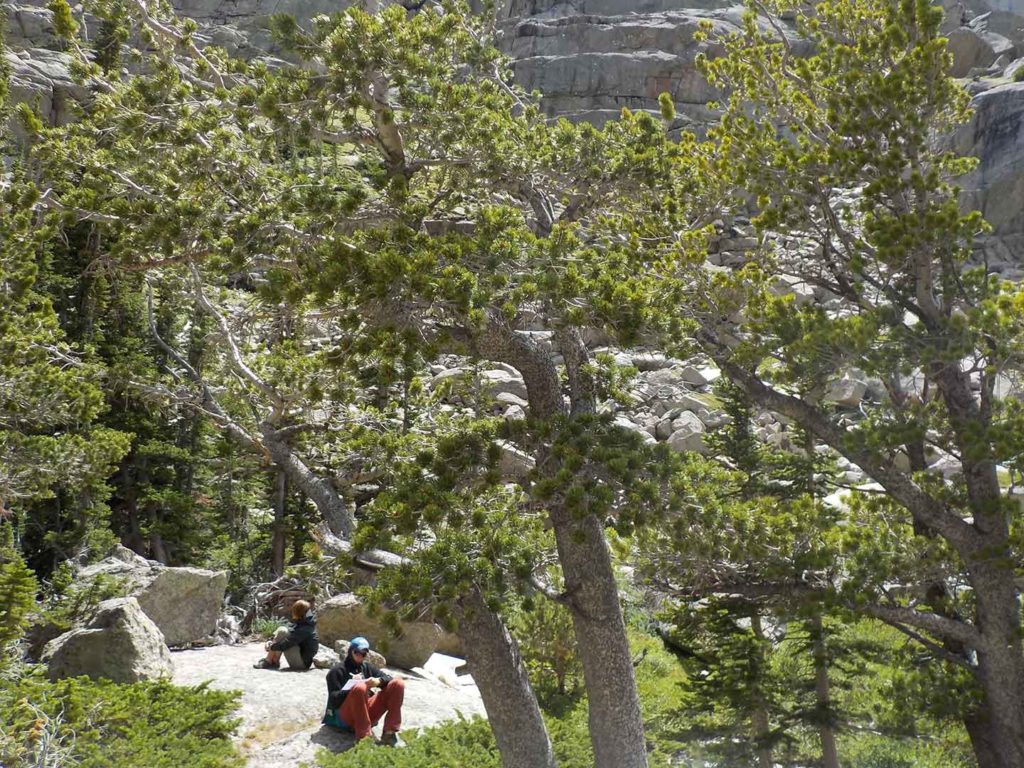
column 616, row 725
column 1000, row 662
column 997, row 600
column 499, row 672
column 979, row 729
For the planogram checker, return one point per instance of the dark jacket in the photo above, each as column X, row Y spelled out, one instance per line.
column 303, row 634
column 342, row 673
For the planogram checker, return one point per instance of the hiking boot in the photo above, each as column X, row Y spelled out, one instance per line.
column 388, row 739
column 264, row 664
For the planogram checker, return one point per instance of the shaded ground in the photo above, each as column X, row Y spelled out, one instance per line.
column 281, row 710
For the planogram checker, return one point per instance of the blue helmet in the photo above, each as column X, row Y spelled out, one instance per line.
column 359, row 644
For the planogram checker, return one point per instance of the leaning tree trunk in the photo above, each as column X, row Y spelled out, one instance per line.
column 499, row 672
column 616, row 724
column 615, row 720
column 336, row 512
column 983, row 544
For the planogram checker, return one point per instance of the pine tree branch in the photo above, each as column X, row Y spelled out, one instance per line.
column 240, row 365
column 933, row 623
column 925, row 508
column 213, row 406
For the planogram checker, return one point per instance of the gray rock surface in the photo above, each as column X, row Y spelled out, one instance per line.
column 343, row 616
column 514, row 463
column 41, row 77
column 846, row 392
column 185, row 603
column 970, row 49
column 120, row 643
column 280, row 711
column 995, row 135
column 590, row 66
column 29, row 27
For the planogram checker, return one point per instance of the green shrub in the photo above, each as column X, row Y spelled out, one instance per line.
column 452, row 745
column 91, row 724
column 871, row 751
column 1018, row 76
column 17, row 598
column 265, row 628
column 548, row 645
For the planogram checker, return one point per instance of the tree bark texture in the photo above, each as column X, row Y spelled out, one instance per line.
column 979, row 730
column 332, row 506
column 500, row 674
column 616, row 724
column 1000, row 665
column 615, row 720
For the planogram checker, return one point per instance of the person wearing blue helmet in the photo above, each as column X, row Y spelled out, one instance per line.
column 359, row 694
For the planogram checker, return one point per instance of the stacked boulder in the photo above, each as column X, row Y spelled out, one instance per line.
column 184, row 603
column 127, row 638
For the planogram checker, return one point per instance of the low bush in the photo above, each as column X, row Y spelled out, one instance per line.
column 87, row 724
column 452, row 745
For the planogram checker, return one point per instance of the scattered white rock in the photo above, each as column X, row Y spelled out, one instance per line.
column 501, row 381
column 627, row 423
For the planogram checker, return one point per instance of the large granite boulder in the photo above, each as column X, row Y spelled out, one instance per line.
column 343, row 617
column 185, row 603
column 970, row 50
column 120, row 643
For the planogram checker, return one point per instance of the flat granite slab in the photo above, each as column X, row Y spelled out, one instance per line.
column 280, row 710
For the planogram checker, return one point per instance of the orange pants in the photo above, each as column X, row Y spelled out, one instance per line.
column 361, row 711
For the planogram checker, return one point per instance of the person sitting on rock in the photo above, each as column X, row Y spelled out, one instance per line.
column 297, row 642
column 359, row 694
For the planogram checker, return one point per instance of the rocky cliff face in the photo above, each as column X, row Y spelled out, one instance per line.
column 995, row 136
column 591, row 58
